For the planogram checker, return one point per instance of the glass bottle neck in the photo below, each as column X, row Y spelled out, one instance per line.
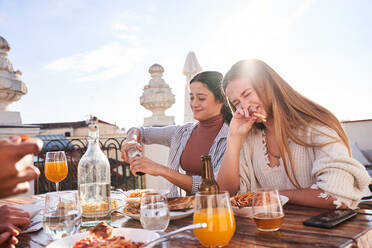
column 207, row 172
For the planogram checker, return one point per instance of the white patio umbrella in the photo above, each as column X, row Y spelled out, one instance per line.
column 190, row 69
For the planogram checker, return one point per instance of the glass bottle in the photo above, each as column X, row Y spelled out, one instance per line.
column 94, row 180
column 208, row 184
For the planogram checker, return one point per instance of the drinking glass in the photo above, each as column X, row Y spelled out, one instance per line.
column 154, row 212
column 267, row 210
column 55, row 167
column 216, row 211
column 62, row 214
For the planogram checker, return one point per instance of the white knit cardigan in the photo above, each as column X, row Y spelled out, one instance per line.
column 329, row 167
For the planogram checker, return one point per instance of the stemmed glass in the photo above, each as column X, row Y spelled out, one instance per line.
column 55, row 167
column 216, row 211
column 267, row 210
column 154, row 212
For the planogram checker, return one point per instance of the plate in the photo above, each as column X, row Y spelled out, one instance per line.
column 248, row 211
column 132, row 234
column 119, row 200
column 174, row 215
column 138, row 199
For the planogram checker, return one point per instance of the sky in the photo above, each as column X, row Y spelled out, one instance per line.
column 81, row 57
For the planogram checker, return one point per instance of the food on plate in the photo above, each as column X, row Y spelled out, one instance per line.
column 174, row 204
column 102, row 236
column 90, row 207
column 242, row 200
column 132, row 208
column 180, row 203
column 246, row 200
column 138, row 193
column 101, row 231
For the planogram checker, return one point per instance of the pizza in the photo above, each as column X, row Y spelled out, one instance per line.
column 174, row 204
column 259, row 116
column 180, row 203
column 101, row 236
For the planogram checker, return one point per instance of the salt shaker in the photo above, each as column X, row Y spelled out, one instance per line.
column 133, row 152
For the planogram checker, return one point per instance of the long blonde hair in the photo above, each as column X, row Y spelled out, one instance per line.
column 289, row 109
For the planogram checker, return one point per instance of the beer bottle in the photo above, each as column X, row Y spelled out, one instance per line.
column 208, row 184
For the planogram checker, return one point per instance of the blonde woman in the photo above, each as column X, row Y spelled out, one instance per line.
column 280, row 139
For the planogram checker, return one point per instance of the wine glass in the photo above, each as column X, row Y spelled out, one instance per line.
column 55, row 167
column 267, row 210
column 154, row 212
column 216, row 211
column 62, row 214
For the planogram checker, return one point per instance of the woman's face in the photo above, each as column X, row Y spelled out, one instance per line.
column 242, row 96
column 202, row 102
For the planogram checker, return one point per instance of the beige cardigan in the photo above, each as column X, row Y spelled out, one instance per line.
column 329, row 168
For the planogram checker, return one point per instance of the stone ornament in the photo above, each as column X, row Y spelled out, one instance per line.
column 11, row 86
column 157, row 97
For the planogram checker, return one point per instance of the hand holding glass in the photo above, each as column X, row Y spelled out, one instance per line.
column 267, row 210
column 215, row 210
column 55, row 167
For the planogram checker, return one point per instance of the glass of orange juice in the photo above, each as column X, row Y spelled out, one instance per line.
column 55, row 167
column 216, row 211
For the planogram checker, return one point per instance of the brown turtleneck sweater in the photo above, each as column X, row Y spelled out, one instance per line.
column 200, row 143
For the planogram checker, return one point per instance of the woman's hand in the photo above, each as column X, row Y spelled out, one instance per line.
column 8, row 235
column 15, row 216
column 125, row 147
column 145, row 165
column 241, row 123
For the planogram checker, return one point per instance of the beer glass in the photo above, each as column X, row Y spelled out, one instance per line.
column 216, row 211
column 267, row 210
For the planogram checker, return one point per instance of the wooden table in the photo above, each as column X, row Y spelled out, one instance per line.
column 352, row 233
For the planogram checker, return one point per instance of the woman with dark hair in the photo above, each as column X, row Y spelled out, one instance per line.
column 280, row 139
column 187, row 142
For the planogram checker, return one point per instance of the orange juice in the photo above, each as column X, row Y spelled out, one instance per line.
column 56, row 171
column 220, row 229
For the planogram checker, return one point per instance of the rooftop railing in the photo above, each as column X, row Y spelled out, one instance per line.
column 74, row 149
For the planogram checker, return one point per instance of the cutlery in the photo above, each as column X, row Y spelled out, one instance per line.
column 182, row 229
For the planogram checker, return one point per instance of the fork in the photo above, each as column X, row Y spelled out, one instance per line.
column 182, row 229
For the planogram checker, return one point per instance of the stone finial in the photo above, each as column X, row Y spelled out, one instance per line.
column 157, row 97
column 11, row 86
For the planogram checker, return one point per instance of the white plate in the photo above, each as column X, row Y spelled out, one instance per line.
column 119, row 200
column 248, row 211
column 132, row 234
column 138, row 199
column 174, row 215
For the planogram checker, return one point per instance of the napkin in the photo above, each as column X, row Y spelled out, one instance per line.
column 31, row 209
column 36, row 219
column 36, row 225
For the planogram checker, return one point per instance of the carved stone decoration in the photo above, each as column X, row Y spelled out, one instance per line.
column 157, row 97
column 11, row 86
column 11, row 90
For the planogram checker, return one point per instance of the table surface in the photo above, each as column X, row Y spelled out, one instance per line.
column 292, row 233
